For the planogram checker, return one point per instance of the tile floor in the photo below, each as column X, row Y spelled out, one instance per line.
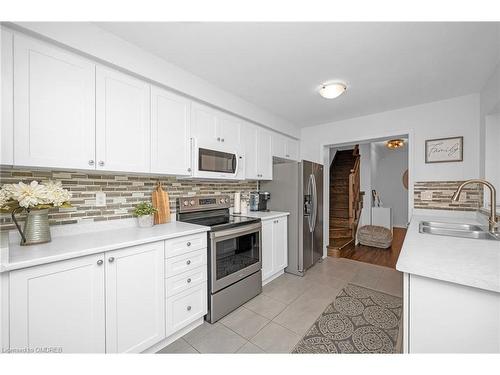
column 275, row 321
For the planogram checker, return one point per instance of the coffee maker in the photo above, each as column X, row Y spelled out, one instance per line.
column 258, row 200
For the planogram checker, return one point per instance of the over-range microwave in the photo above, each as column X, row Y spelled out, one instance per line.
column 213, row 161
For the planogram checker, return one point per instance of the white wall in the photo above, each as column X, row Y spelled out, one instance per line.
column 447, row 118
column 365, row 180
column 489, row 104
column 492, row 154
column 92, row 41
column 388, row 168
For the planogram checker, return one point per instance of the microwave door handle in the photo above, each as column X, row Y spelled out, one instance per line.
column 236, row 163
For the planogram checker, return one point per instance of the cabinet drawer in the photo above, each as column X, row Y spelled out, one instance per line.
column 186, row 307
column 185, row 262
column 181, row 245
column 186, row 280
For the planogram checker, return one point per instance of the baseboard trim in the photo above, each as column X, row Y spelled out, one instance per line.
column 170, row 339
column 271, row 278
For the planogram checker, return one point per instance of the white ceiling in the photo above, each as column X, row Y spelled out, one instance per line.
column 278, row 66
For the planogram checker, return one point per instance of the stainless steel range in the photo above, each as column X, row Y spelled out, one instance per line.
column 234, row 252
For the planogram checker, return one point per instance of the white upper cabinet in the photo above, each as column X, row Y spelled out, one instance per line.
column 122, row 122
column 228, row 131
column 135, row 298
column 7, row 127
column 258, row 156
column 204, row 123
column 284, row 147
column 54, row 99
column 264, row 155
column 59, row 305
column 292, row 149
column 279, row 145
column 212, row 127
column 170, row 133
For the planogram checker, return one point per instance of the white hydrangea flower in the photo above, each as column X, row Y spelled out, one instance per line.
column 56, row 194
column 30, row 195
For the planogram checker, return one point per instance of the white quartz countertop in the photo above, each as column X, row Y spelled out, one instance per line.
column 265, row 215
column 74, row 245
column 470, row 262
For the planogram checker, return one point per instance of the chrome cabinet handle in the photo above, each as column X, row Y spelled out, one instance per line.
column 188, row 262
column 111, row 260
column 188, row 308
column 100, row 262
column 218, row 139
column 222, row 139
column 91, row 162
column 101, row 163
column 188, row 280
column 188, row 244
column 189, row 169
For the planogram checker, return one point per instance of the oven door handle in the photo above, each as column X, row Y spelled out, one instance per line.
column 236, row 232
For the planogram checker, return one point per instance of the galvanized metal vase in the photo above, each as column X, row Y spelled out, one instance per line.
column 36, row 226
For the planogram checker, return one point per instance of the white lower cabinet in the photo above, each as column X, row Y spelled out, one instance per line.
column 135, row 309
column 274, row 247
column 111, row 302
column 185, row 280
column 59, row 305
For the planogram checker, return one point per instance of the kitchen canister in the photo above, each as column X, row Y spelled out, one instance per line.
column 237, row 203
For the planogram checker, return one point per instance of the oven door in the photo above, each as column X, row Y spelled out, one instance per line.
column 234, row 254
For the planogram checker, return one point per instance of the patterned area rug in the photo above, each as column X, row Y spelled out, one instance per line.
column 360, row 320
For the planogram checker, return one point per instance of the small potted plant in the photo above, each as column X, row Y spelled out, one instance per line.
column 144, row 212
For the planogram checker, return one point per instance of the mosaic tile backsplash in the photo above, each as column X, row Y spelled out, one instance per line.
column 442, row 191
column 123, row 192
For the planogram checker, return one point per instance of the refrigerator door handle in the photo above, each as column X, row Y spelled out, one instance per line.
column 310, row 191
column 314, row 203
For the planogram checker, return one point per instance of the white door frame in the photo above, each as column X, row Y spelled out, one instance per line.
column 325, row 153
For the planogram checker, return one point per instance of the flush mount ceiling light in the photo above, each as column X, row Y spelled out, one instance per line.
column 395, row 143
column 332, row 90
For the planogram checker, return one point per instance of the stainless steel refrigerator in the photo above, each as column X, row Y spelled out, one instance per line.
column 297, row 188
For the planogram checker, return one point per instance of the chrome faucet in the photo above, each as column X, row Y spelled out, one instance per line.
column 493, row 220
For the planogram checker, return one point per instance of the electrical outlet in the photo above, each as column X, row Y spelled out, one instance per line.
column 426, row 195
column 100, row 199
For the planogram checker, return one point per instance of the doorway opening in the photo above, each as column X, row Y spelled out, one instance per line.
column 368, row 199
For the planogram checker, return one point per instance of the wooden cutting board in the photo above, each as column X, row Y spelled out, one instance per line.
column 162, row 204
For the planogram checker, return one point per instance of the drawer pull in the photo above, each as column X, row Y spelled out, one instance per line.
column 188, row 308
column 188, row 262
column 188, row 280
column 189, row 244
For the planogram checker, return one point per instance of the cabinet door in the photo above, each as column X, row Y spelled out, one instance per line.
column 228, row 130
column 267, row 249
column 135, row 298
column 292, row 149
column 278, row 145
column 280, row 248
column 264, row 155
column 7, row 126
column 249, row 146
column 122, row 122
column 59, row 305
column 170, row 129
column 54, row 107
column 203, row 124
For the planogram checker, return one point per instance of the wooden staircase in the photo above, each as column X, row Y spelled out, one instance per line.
column 345, row 200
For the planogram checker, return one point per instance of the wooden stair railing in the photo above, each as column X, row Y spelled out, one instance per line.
column 355, row 195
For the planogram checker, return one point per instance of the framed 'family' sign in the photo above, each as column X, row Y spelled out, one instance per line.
column 444, row 150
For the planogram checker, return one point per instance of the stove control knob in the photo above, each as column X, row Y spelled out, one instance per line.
column 192, row 202
column 226, row 200
column 222, row 200
column 185, row 203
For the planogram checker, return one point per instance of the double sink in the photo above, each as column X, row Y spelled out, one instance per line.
column 458, row 230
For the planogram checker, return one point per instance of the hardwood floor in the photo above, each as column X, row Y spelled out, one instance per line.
column 373, row 255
